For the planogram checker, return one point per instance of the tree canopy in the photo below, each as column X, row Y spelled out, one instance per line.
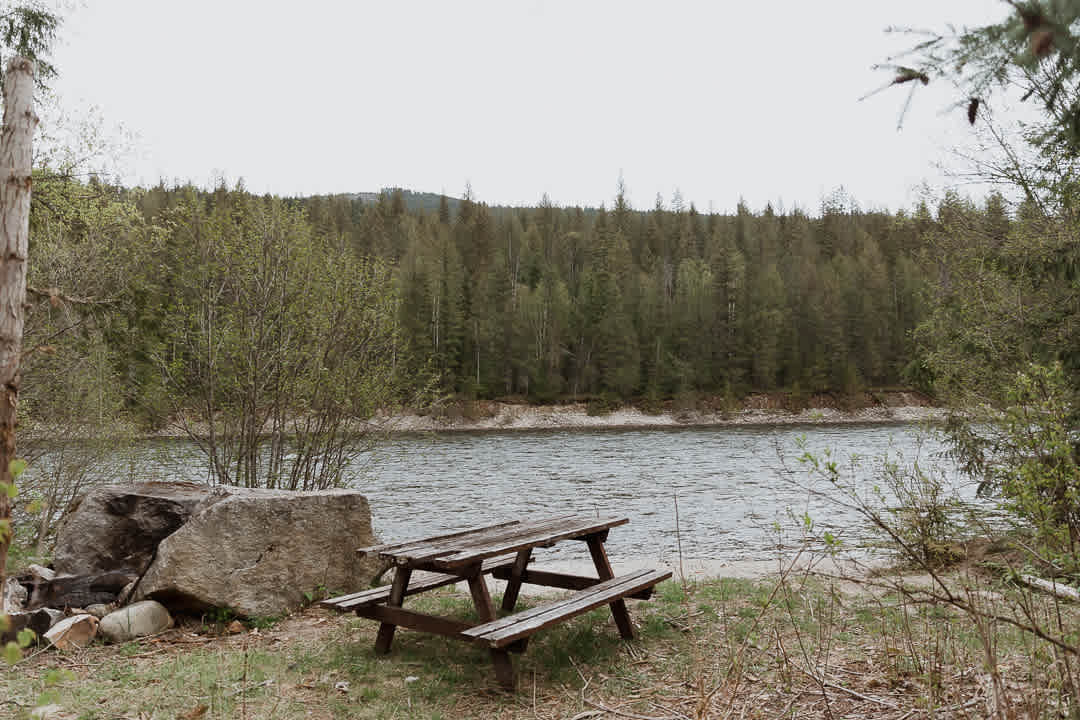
column 1001, row 339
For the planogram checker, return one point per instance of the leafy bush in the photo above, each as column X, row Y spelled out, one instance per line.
column 923, row 513
column 1031, row 460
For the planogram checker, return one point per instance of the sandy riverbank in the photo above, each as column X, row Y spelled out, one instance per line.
column 506, row 416
column 760, row 409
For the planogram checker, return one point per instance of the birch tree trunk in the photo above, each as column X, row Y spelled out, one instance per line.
column 16, row 139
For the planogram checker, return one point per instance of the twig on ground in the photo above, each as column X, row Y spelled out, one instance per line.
column 623, row 713
column 249, row 688
column 604, row 709
column 673, row 711
column 854, row 693
column 824, row 682
column 33, row 654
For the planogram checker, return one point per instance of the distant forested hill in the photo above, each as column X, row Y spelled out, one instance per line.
column 425, row 202
column 415, row 202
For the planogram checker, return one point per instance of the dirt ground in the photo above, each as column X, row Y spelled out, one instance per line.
column 800, row 646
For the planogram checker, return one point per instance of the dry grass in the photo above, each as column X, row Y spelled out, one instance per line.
column 794, row 647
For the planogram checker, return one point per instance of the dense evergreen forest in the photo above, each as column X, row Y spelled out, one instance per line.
column 541, row 303
column 549, row 302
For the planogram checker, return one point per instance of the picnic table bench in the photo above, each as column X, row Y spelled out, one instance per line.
column 503, row 551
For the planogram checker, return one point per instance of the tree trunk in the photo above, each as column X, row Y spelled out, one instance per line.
column 16, row 139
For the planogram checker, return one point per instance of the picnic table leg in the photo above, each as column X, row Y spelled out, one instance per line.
column 513, row 585
column 397, row 597
column 504, row 668
column 604, row 571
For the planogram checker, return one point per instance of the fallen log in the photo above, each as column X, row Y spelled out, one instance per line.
column 1059, row 590
column 78, row 591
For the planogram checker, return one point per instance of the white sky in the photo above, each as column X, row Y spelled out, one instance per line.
column 717, row 99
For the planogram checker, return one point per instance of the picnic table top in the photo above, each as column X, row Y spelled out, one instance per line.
column 468, row 547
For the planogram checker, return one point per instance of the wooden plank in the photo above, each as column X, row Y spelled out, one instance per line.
column 385, row 636
column 416, row 621
column 539, row 535
column 500, row 633
column 481, row 599
column 483, row 535
column 547, row 578
column 603, row 535
column 513, row 587
column 500, row 658
column 504, row 668
column 541, row 538
column 416, row 585
column 578, row 604
column 563, row 581
column 487, row 537
column 601, row 589
column 509, row 536
column 603, row 569
column 387, row 547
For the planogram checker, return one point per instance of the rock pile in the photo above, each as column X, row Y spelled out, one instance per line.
column 188, row 548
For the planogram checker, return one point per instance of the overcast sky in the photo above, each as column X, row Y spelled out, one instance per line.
column 717, row 99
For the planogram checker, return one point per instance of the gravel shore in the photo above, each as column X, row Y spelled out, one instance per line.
column 505, row 416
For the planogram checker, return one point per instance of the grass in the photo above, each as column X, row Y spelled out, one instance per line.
column 720, row 648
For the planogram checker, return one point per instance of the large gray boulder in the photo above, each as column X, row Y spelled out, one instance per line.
column 258, row 552
column 118, row 527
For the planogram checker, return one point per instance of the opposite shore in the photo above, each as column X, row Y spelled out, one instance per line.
column 878, row 407
column 890, row 406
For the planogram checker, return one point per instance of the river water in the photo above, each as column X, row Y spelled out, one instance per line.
column 740, row 492
column 710, row 495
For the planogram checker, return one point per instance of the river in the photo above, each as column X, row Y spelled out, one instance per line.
column 739, row 490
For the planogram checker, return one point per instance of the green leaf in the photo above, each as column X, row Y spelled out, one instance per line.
column 25, row 637
column 12, row 653
column 16, row 467
column 11, row 490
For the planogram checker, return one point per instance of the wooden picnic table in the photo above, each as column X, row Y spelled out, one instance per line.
column 503, row 551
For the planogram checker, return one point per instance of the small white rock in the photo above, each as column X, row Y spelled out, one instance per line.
column 148, row 617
